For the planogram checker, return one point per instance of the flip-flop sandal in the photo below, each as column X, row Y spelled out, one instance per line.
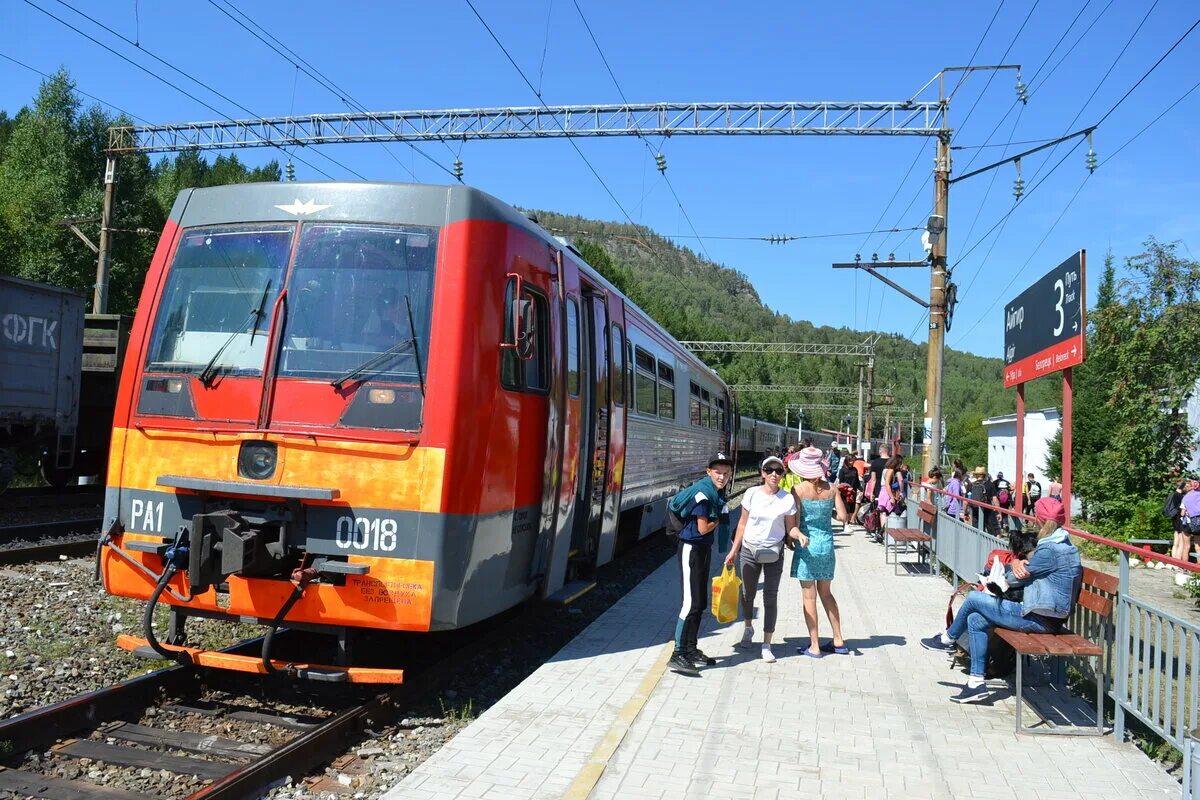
column 839, row 651
column 804, row 651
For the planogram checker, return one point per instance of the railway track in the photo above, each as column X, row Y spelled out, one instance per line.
column 41, row 541
column 142, row 724
column 27, row 498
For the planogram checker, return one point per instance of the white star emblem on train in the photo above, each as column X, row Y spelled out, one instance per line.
column 298, row 208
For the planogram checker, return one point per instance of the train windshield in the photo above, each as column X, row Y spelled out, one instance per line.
column 359, row 303
column 222, row 279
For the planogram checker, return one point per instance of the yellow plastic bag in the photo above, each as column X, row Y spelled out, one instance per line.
column 726, row 592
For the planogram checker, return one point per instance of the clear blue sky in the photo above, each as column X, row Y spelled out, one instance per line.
column 437, row 55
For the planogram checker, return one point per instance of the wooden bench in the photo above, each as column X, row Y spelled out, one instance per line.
column 1068, row 644
column 907, row 537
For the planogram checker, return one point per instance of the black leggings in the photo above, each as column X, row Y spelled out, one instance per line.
column 694, row 563
column 771, row 573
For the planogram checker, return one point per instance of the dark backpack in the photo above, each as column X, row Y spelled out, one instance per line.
column 675, row 523
column 1003, row 496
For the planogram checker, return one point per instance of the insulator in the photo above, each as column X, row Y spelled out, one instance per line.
column 1018, row 188
column 289, row 171
column 458, row 169
column 660, row 162
column 874, row 256
column 1091, row 155
column 1022, row 91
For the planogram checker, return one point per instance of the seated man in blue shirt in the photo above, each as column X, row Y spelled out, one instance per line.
column 704, row 511
column 1051, row 578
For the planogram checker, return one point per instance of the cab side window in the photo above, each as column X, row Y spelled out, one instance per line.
column 529, row 374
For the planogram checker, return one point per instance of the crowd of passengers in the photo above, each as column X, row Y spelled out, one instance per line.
column 802, row 491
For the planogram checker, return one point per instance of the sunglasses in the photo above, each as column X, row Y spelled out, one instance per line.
column 773, row 470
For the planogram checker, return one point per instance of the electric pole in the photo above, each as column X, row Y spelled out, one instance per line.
column 104, row 252
column 937, row 299
column 859, row 428
column 870, row 423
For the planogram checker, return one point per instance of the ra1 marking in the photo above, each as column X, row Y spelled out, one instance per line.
column 146, row 516
column 360, row 533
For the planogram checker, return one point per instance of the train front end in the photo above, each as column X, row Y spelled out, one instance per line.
column 280, row 445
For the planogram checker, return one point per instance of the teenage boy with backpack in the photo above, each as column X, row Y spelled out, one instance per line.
column 698, row 515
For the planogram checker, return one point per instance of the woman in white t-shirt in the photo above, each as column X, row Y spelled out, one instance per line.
column 768, row 516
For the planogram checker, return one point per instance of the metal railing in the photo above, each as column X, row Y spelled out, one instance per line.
column 1152, row 657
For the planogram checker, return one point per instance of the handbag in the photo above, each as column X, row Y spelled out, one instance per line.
column 726, row 594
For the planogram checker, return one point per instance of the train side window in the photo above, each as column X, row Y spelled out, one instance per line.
column 532, row 374
column 694, row 405
column 666, row 391
column 720, row 413
column 572, row 347
column 644, row 382
column 618, row 373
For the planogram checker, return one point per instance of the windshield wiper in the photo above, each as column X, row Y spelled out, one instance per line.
column 256, row 314
column 373, row 362
column 412, row 330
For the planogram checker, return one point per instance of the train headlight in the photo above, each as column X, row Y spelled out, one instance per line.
column 257, row 460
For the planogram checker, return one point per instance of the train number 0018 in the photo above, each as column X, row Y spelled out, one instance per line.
column 361, row 533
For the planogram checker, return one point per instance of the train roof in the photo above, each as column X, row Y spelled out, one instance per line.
column 380, row 202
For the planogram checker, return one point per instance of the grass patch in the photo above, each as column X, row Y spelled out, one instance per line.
column 463, row 713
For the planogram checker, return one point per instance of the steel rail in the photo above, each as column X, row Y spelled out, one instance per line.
column 55, row 527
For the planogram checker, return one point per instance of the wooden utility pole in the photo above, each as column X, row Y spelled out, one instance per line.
column 870, row 415
column 937, row 300
column 104, row 254
column 859, row 428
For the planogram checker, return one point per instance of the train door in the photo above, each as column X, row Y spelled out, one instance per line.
column 617, row 375
column 567, row 398
column 591, row 483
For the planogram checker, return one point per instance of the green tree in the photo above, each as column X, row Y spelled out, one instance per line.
column 1147, row 337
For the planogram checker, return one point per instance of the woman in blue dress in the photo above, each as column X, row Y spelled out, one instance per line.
column 813, row 561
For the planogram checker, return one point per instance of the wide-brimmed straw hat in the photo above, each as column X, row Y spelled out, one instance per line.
column 808, row 463
column 979, row 472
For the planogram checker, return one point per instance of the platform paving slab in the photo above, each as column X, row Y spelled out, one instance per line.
column 604, row 719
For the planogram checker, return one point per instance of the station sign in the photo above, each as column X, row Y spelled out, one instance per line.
column 1045, row 326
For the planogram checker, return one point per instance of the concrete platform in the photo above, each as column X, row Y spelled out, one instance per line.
column 604, row 719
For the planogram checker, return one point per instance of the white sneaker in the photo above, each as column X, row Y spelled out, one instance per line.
column 767, row 655
column 747, row 637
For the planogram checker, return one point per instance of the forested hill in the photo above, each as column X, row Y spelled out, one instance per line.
column 696, row 299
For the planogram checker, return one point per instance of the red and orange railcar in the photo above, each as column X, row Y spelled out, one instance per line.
column 352, row 406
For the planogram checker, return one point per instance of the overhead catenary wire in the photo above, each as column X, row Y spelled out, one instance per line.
column 1078, row 190
column 99, row 100
column 163, row 80
column 587, row 26
column 302, row 64
column 774, row 239
column 192, row 78
column 570, row 139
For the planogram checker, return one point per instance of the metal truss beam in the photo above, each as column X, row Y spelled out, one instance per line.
column 840, row 391
column 823, row 118
column 791, row 348
column 849, row 407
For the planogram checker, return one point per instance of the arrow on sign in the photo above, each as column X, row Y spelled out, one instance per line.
column 1074, row 351
column 1075, row 326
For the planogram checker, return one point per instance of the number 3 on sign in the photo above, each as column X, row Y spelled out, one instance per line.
column 1058, row 285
